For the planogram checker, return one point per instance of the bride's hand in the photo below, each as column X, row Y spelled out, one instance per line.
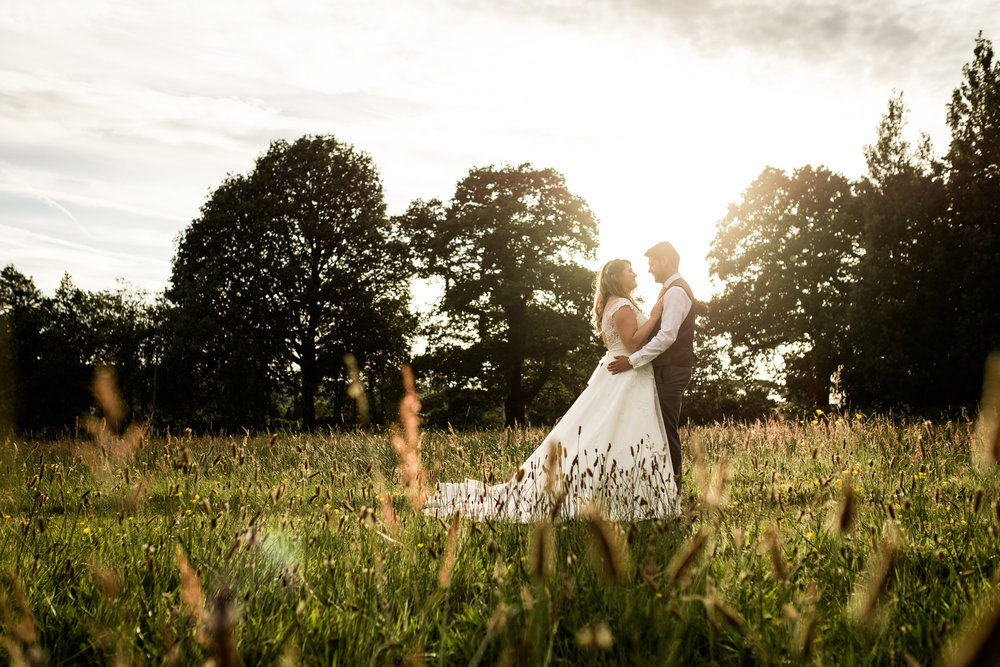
column 657, row 308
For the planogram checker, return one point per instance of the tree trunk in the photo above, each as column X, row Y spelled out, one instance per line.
column 516, row 402
column 310, row 383
column 514, row 405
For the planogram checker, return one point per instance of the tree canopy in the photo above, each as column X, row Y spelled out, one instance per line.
column 785, row 255
column 507, row 249
column 287, row 269
column 890, row 280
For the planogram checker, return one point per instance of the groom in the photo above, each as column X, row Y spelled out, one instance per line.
column 670, row 350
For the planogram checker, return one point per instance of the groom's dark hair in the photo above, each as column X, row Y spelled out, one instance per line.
column 665, row 252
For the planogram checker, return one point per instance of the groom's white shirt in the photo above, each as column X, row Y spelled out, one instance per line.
column 676, row 306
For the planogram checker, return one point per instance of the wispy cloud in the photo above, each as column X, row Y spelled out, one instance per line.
column 124, row 115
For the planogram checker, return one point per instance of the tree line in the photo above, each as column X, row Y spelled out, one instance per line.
column 294, row 285
column 885, row 286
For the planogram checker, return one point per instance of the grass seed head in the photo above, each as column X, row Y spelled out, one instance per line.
column 773, row 543
column 451, row 543
column 607, row 545
column 843, row 520
column 681, row 564
column 864, row 607
column 987, row 432
column 223, row 643
column 356, row 388
column 595, row 636
column 977, row 641
column 24, row 628
column 541, row 554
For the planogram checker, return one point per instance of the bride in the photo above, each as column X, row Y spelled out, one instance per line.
column 609, row 449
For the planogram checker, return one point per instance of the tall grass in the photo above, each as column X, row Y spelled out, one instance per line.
column 841, row 539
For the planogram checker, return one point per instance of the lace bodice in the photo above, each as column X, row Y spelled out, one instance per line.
column 612, row 339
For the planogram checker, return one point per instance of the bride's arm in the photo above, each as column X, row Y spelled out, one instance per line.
column 646, row 330
column 632, row 335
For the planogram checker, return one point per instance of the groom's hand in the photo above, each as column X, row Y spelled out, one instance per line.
column 619, row 365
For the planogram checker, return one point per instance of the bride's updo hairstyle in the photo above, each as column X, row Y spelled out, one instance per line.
column 609, row 285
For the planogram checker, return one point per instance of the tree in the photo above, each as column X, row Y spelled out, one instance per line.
column 52, row 346
column 973, row 181
column 901, row 299
column 286, row 270
column 25, row 397
column 507, row 249
column 786, row 256
column 719, row 391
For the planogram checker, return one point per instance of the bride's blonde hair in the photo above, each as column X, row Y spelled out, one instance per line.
column 609, row 285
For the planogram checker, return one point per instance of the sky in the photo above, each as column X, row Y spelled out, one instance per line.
column 118, row 118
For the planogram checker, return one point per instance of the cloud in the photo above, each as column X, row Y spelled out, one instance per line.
column 46, row 257
column 857, row 37
column 124, row 115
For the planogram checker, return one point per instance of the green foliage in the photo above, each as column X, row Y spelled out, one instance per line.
column 287, row 269
column 891, row 281
column 507, row 249
column 325, row 562
column 904, row 293
column 53, row 345
column 786, row 254
column 974, row 192
column 720, row 392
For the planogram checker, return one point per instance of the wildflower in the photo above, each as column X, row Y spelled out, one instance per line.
column 819, row 412
column 187, row 512
column 420, row 545
column 859, row 416
column 86, row 530
column 809, row 535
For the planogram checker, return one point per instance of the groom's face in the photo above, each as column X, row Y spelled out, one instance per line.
column 658, row 270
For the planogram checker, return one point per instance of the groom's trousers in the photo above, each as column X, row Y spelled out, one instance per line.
column 670, row 384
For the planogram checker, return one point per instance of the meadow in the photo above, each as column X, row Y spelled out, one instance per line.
column 834, row 539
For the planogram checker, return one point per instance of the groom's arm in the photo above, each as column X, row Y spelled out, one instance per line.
column 676, row 306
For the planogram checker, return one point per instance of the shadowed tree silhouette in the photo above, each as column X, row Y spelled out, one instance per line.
column 287, row 269
column 508, row 249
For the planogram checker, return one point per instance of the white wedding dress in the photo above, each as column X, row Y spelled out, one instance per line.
column 608, row 450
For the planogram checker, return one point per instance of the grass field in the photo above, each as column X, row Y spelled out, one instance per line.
column 839, row 539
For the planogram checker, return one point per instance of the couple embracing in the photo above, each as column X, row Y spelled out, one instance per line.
column 617, row 448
